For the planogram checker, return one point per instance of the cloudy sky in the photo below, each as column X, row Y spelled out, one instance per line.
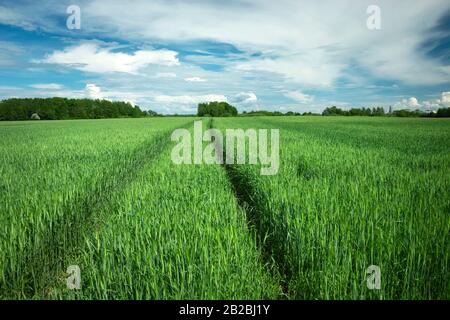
column 274, row 55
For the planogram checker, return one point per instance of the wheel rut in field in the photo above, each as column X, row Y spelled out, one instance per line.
column 42, row 266
column 268, row 233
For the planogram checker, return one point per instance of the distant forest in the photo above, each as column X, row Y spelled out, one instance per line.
column 63, row 108
column 374, row 112
column 334, row 111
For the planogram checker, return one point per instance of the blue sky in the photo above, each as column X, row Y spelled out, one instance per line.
column 274, row 55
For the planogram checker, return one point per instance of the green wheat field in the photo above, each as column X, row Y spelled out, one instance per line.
column 104, row 195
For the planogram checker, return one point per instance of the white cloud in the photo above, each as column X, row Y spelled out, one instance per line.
column 8, row 16
column 188, row 99
column 93, row 91
column 445, row 97
column 312, row 69
column 307, row 42
column 165, row 75
column 47, row 86
column 410, row 103
column 299, row 96
column 413, row 102
column 194, row 79
column 245, row 97
column 91, row 57
column 428, row 105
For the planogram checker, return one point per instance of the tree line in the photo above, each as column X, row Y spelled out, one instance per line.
column 335, row 111
column 223, row 109
column 440, row 113
column 270, row 113
column 379, row 111
column 63, row 108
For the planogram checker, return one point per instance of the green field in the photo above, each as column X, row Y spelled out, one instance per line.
column 104, row 195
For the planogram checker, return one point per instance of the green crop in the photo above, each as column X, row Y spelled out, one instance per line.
column 105, row 195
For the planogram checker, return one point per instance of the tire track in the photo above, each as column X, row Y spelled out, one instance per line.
column 268, row 232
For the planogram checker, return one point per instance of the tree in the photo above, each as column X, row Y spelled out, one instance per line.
column 333, row 111
column 378, row 112
column 216, row 109
column 443, row 113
